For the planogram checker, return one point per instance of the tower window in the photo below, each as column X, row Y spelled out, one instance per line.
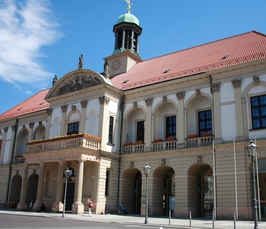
column 111, row 130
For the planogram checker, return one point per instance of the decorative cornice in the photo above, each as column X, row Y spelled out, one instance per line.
column 216, row 87
column 237, row 83
column 64, row 108
column 180, row 95
column 49, row 111
column 148, row 102
column 104, row 100
column 84, row 103
column 31, row 125
column 198, row 92
column 256, row 80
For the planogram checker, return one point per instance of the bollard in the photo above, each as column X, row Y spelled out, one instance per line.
column 170, row 217
column 234, row 220
column 212, row 219
column 190, row 218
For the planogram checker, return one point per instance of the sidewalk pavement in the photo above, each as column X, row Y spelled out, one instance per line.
column 158, row 222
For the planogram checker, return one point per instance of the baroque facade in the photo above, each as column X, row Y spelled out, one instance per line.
column 189, row 114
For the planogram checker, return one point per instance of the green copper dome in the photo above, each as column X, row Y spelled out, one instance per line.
column 128, row 17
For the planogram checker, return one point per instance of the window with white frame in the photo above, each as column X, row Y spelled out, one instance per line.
column 73, row 128
column 111, row 130
column 258, row 111
column 170, row 126
column 205, row 122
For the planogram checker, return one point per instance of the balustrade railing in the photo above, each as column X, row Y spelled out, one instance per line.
column 199, row 141
column 64, row 142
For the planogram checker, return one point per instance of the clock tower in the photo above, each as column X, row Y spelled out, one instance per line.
column 126, row 49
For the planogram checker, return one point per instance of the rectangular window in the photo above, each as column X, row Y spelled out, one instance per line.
column 258, row 111
column 107, row 182
column 111, row 130
column 205, row 122
column 73, row 128
column 140, row 131
column 171, row 126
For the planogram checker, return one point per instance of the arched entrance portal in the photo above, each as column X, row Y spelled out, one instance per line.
column 205, row 192
column 163, row 189
column 15, row 191
column 32, row 190
column 262, row 183
column 131, row 192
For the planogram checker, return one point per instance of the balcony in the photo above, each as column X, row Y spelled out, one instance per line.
column 195, row 141
column 169, row 144
column 64, row 142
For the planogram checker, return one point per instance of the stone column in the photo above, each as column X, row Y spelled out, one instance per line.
column 217, row 113
column 148, row 123
column 63, row 119
column 38, row 203
column 180, row 124
column 3, row 145
column 82, row 125
column 49, row 117
column 22, row 205
column 103, row 119
column 238, row 108
column 58, row 205
column 78, row 206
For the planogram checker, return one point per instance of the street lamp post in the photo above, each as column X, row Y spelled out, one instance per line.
column 67, row 173
column 146, row 169
column 252, row 151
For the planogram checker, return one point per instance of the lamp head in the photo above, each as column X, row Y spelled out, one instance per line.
column 147, row 169
column 251, row 148
column 68, row 173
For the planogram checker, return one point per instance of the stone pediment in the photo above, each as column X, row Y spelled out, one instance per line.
column 77, row 80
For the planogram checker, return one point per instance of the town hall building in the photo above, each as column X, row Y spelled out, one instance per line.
column 189, row 114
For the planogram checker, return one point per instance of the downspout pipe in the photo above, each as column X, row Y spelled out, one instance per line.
column 11, row 162
column 120, row 149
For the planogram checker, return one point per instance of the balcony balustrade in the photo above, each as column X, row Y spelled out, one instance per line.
column 64, row 142
column 199, row 141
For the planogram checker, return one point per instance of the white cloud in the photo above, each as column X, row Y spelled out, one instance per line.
column 25, row 27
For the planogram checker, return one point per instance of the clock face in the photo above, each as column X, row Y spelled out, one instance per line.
column 116, row 65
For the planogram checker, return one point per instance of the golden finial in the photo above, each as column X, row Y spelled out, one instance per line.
column 129, row 5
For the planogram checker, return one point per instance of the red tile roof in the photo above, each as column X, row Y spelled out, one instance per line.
column 230, row 51
column 32, row 104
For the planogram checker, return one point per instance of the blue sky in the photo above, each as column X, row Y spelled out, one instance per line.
column 43, row 38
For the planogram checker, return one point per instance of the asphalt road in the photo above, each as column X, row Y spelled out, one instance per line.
column 20, row 222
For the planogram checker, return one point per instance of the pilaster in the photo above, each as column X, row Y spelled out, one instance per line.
column 58, row 205
column 217, row 113
column 78, row 207
column 238, row 108
column 3, row 145
column 49, row 118
column 180, row 119
column 148, row 122
column 63, row 119
column 22, row 205
column 82, row 125
column 103, row 125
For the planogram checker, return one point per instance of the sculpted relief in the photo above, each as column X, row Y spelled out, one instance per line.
column 78, row 82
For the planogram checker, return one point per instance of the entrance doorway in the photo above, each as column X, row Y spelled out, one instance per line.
column 205, row 192
column 137, row 193
column 169, row 190
column 69, row 195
